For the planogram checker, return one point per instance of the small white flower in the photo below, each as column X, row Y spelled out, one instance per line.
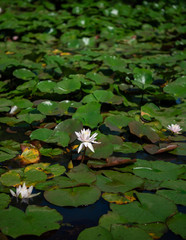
column 175, row 128
column 23, row 192
column 86, row 139
column 13, row 109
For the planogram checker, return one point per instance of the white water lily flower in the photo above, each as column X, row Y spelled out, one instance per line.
column 86, row 139
column 175, row 128
column 13, row 109
column 23, row 192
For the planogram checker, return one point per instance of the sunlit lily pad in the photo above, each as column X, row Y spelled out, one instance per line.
column 89, row 114
column 24, row 74
column 10, row 178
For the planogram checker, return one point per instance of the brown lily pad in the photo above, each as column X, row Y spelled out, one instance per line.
column 141, row 130
column 154, row 149
column 111, row 161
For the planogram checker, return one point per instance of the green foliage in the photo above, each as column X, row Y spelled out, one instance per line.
column 117, row 68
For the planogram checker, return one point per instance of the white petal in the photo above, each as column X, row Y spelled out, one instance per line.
column 80, row 147
column 13, row 193
column 93, row 136
column 96, row 142
column 30, row 189
column 77, row 134
column 34, row 195
column 90, row 147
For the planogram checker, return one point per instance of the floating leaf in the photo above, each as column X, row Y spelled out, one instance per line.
column 177, row 224
column 4, row 200
column 34, row 176
column 89, row 114
column 145, row 211
column 74, row 197
column 157, row 170
column 176, row 88
column 142, row 78
column 154, row 149
column 82, row 174
column 35, row 221
column 117, row 182
column 141, row 130
column 24, row 74
column 30, row 155
column 119, row 231
column 10, row 178
column 92, row 233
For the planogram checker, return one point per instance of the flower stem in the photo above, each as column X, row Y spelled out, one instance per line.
column 83, row 156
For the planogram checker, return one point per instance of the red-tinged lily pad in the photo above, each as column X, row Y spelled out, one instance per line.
column 141, row 130
column 154, row 149
column 110, row 161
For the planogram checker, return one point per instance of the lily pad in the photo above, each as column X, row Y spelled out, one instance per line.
column 145, row 211
column 93, row 233
column 177, row 224
column 35, row 221
column 117, row 182
column 24, row 74
column 74, row 197
column 157, row 170
column 4, row 200
column 141, row 130
column 89, row 114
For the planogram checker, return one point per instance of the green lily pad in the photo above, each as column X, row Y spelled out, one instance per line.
column 93, row 233
column 29, row 118
column 89, row 114
column 24, row 74
column 74, row 197
column 70, row 126
column 157, row 170
column 128, row 147
column 119, row 231
column 177, row 88
column 34, row 176
column 10, row 178
column 98, row 78
column 4, row 200
column 178, row 197
column 82, row 174
column 35, row 221
column 41, row 134
column 142, row 78
column 117, row 182
column 46, row 86
column 117, row 122
column 177, row 224
column 145, row 211
column 102, row 150
column 68, row 85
